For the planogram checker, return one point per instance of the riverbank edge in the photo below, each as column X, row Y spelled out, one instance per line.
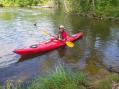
column 64, row 79
column 37, row 7
column 94, row 16
column 89, row 15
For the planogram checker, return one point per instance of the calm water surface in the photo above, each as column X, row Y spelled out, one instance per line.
column 99, row 48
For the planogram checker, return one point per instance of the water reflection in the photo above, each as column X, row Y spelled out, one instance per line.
column 62, row 51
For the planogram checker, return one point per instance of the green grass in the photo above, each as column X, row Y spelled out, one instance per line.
column 108, row 81
column 12, row 85
column 60, row 79
column 0, row 87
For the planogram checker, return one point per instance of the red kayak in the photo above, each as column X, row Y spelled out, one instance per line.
column 47, row 46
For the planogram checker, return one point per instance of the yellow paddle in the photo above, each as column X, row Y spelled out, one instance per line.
column 68, row 43
column 45, row 33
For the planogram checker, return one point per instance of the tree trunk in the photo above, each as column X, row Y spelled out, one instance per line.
column 93, row 3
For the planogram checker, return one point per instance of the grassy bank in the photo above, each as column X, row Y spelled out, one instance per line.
column 59, row 79
column 63, row 79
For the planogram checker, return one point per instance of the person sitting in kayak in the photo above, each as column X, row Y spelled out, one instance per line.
column 61, row 35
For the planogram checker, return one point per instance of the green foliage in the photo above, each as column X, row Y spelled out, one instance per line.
column 108, row 7
column 99, row 7
column 108, row 81
column 21, row 3
column 105, row 84
column 60, row 79
column 12, row 85
column 114, row 77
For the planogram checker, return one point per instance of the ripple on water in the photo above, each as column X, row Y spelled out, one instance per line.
column 19, row 31
column 111, row 51
column 7, row 60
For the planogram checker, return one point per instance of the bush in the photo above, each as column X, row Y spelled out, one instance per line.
column 21, row 3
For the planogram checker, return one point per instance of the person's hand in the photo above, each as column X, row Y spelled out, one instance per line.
column 59, row 39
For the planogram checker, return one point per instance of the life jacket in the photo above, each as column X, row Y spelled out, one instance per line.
column 64, row 35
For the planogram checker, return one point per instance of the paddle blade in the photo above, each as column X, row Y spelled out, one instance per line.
column 45, row 33
column 70, row 44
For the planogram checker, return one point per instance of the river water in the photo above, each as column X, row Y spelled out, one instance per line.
column 97, row 50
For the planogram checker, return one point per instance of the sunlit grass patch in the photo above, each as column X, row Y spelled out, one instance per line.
column 60, row 79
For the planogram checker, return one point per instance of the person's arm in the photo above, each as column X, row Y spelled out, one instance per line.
column 56, row 36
